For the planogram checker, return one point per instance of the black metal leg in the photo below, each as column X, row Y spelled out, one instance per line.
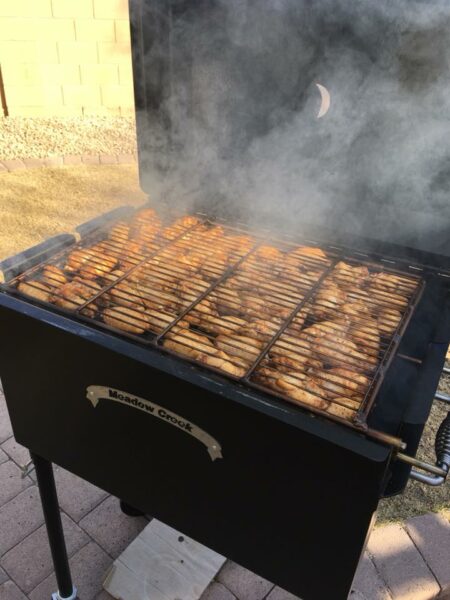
column 49, row 499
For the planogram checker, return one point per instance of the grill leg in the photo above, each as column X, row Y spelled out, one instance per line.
column 49, row 499
column 130, row 511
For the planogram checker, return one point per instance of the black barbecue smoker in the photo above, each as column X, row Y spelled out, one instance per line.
column 226, row 93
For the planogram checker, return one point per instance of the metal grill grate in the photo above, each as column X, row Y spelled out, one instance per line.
column 311, row 326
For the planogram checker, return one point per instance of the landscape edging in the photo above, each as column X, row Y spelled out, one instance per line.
column 16, row 164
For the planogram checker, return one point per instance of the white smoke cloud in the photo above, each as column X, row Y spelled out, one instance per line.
column 242, row 106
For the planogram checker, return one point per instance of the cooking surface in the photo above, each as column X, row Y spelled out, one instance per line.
column 298, row 321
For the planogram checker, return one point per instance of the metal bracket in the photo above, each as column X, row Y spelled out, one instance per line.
column 442, row 397
column 73, row 595
column 434, row 474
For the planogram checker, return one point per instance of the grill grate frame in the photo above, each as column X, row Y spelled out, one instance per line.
column 281, row 296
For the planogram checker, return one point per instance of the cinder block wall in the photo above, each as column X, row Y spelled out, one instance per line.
column 65, row 57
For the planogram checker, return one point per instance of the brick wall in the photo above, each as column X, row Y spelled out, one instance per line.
column 65, row 57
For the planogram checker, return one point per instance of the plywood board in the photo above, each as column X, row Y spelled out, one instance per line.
column 162, row 564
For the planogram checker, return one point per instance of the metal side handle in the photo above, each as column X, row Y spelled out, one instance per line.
column 433, row 474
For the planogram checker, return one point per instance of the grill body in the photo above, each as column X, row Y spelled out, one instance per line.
column 286, row 494
column 293, row 494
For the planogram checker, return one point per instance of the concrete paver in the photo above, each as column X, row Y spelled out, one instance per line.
column 53, row 161
column 19, row 517
column 108, row 159
column 125, row 158
column 368, row 582
column 3, row 576
column 12, row 481
column 19, row 454
column 90, row 159
column 10, row 591
column 30, row 561
column 3, row 456
column 431, row 534
column 89, row 566
column 243, row 583
column 279, row 594
column 14, row 164
column 5, row 423
column 76, row 496
column 355, row 595
column 401, row 565
column 104, row 596
column 72, row 159
column 217, row 591
column 110, row 528
column 34, row 163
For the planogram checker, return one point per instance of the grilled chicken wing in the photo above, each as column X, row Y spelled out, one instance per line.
column 341, row 382
column 260, row 329
column 35, row 289
column 294, row 354
column 239, row 345
column 307, row 251
column 90, row 262
column 388, row 320
column 346, row 275
column 387, row 299
column 214, row 266
column 227, row 301
column 328, row 301
column 355, row 309
column 130, row 255
column 340, row 351
column 75, row 293
column 159, row 320
column 179, row 226
column 367, row 335
column 193, row 285
column 189, row 343
column 225, row 363
column 214, row 324
column 126, row 319
column 392, row 283
column 338, row 410
column 126, row 293
column 158, row 299
column 154, row 277
column 119, row 233
column 305, row 391
column 53, row 276
column 267, row 253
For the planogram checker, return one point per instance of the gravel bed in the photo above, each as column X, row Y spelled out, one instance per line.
column 42, row 138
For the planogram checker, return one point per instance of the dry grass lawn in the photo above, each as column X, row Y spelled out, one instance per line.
column 36, row 204
column 419, row 498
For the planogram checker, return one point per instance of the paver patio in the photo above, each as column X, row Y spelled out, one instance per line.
column 401, row 563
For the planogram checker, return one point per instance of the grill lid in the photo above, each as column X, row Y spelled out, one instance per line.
column 228, row 103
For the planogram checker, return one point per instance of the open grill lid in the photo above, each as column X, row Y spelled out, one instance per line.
column 227, row 107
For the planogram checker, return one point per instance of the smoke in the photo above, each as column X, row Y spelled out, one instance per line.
column 235, row 130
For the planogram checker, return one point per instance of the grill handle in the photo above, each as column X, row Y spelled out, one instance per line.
column 434, row 474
